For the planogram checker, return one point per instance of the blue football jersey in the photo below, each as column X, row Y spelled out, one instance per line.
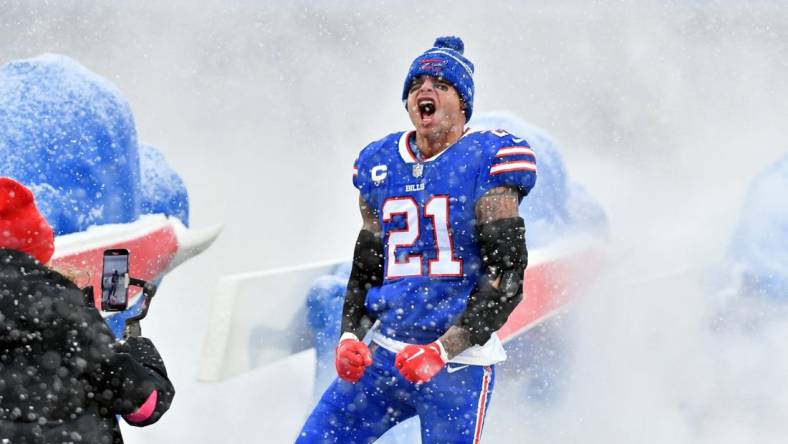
column 426, row 210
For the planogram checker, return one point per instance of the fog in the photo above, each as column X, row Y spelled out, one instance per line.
column 664, row 111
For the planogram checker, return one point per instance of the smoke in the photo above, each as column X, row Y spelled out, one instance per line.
column 664, row 111
column 662, row 360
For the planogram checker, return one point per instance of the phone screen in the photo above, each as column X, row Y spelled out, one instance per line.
column 115, row 280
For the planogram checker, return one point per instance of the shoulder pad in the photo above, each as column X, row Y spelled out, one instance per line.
column 496, row 139
column 379, row 144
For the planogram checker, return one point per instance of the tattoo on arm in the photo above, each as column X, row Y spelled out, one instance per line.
column 370, row 217
column 497, row 203
column 455, row 340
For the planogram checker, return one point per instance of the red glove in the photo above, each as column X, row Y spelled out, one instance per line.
column 419, row 363
column 353, row 357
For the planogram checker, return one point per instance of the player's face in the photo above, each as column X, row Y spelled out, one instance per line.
column 434, row 106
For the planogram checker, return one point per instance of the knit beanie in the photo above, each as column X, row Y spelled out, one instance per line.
column 22, row 227
column 445, row 60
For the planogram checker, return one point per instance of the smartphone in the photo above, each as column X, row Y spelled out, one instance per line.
column 115, row 280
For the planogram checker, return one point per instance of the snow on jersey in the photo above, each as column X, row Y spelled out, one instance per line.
column 426, row 210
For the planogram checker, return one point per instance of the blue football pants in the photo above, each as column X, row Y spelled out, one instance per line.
column 451, row 406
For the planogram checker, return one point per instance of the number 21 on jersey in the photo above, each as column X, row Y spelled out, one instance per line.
column 436, row 210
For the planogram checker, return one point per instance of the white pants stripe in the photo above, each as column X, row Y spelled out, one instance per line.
column 477, row 436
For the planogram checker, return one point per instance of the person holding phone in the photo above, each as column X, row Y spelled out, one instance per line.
column 63, row 378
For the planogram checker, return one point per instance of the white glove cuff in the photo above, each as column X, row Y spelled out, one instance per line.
column 444, row 355
column 347, row 335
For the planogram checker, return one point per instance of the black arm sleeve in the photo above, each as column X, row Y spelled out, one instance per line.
column 367, row 272
column 504, row 253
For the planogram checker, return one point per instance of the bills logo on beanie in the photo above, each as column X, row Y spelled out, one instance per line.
column 22, row 227
column 445, row 60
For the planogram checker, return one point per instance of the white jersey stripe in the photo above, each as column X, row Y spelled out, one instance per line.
column 506, row 167
column 515, row 150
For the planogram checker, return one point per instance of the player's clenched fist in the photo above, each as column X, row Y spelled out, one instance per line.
column 419, row 363
column 353, row 357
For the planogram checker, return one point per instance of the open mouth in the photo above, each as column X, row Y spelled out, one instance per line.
column 426, row 107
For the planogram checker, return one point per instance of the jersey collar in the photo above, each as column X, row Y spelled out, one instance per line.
column 406, row 150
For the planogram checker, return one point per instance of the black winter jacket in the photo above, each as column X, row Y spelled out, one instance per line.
column 63, row 378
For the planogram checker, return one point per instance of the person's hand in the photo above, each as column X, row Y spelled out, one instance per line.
column 353, row 358
column 419, row 363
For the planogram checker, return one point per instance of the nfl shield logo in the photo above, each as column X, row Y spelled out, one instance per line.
column 418, row 169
